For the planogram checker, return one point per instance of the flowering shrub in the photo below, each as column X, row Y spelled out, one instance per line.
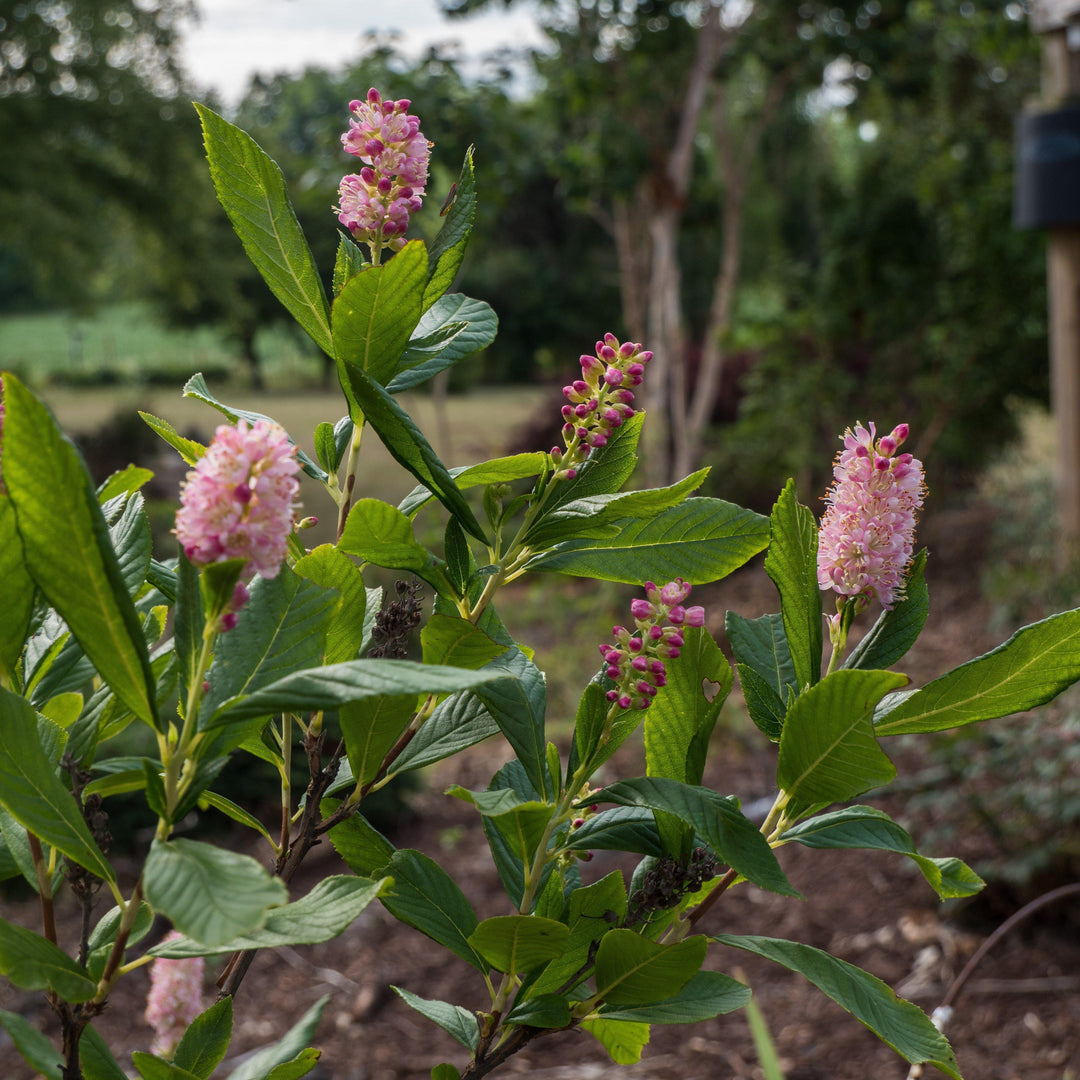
column 98, row 634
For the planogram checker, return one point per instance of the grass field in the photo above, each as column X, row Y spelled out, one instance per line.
column 128, row 343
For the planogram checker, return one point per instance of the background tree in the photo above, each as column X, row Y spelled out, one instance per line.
column 90, row 90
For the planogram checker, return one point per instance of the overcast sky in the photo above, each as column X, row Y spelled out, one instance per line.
column 236, row 38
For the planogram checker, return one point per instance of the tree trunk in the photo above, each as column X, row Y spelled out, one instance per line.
column 665, row 384
column 735, row 165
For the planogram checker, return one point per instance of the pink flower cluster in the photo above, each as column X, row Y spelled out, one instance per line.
column 599, row 400
column 866, row 538
column 237, row 503
column 375, row 204
column 175, row 999
column 635, row 663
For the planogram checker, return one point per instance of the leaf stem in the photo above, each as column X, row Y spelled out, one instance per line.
column 48, row 914
column 350, row 476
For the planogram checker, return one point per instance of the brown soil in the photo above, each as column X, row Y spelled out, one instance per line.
column 1019, row 1019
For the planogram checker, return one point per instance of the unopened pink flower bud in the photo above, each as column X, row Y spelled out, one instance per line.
column 695, row 616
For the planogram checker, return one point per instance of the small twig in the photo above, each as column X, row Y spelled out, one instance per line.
column 703, row 908
column 943, row 1013
column 328, row 975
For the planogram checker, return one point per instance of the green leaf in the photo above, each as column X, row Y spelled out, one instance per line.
column 331, row 906
column 459, row 560
column 323, row 438
column 605, row 470
column 460, row 721
column 623, row 1041
column 264, row 1064
column 828, row 750
column 252, row 190
column 131, row 540
column 449, row 639
column 458, row 1022
column 543, row 1011
column 707, row 994
column 210, row 894
column 124, row 481
column 231, row 810
column 445, row 1071
column 349, row 261
column 763, row 1043
column 188, row 622
column 299, row 1066
column 700, row 540
column 206, row 1040
column 898, row 1023
column 623, row 828
column 521, row 819
column 448, row 247
column 151, row 1067
column 584, row 516
column 68, row 550
column 376, row 311
column 371, row 727
column 362, row 847
column 1030, row 669
column 426, row 898
column 38, row 1051
column 895, row 631
column 865, row 827
column 631, row 970
column 679, row 723
column 502, row 470
column 589, row 915
column 330, row 687
column 766, row 669
column 34, row 795
column 104, row 934
column 466, row 325
column 517, row 704
column 333, row 569
column 407, row 445
column 96, row 1059
column 717, row 819
column 281, row 629
column 16, row 591
column 32, row 963
column 188, row 449
column 518, row 943
column 792, row 565
column 196, row 388
column 381, row 534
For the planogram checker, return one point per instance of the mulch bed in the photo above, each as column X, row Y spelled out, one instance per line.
column 1019, row 1019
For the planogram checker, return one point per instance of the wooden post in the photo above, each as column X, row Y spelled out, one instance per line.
column 1063, row 286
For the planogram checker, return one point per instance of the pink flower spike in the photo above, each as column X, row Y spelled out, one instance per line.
column 866, row 538
column 175, row 998
column 214, row 525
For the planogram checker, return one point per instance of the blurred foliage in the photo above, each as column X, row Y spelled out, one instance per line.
column 881, row 276
column 89, row 94
column 1012, row 786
